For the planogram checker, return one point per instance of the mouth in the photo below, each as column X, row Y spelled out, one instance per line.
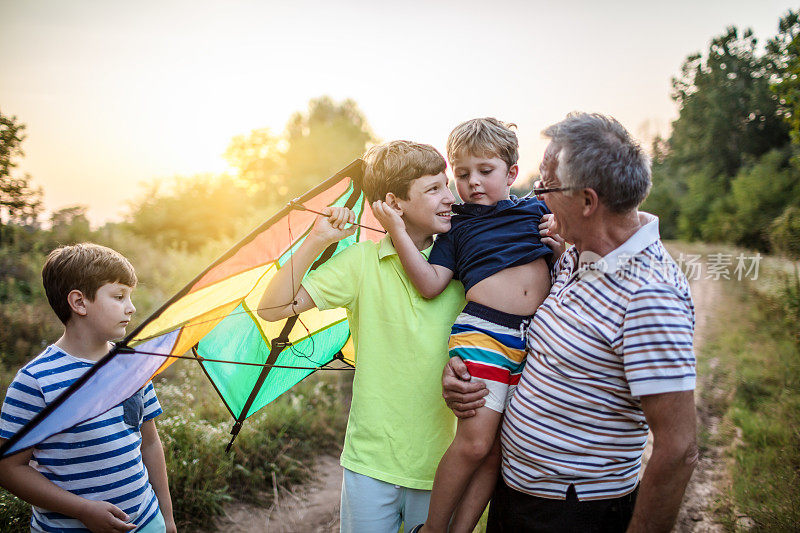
column 476, row 196
column 445, row 215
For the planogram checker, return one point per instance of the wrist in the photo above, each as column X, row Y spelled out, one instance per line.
column 83, row 510
column 319, row 242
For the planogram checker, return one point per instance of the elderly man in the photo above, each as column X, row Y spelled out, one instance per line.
column 609, row 355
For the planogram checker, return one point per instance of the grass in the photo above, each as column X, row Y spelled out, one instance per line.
column 276, row 445
column 751, row 356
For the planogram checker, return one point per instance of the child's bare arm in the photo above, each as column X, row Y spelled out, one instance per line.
column 284, row 295
column 430, row 280
column 22, row 480
column 153, row 459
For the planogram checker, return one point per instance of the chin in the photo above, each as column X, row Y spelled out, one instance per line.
column 442, row 227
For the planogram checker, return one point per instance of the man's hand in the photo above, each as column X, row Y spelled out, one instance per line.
column 548, row 232
column 388, row 217
column 332, row 228
column 104, row 517
column 460, row 394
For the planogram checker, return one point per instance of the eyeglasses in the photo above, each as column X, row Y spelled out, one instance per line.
column 544, row 190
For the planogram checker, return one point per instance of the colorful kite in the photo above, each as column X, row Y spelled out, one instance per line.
column 214, row 318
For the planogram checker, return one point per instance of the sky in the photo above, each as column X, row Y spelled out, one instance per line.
column 117, row 94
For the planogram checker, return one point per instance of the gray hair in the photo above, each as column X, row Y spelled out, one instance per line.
column 597, row 152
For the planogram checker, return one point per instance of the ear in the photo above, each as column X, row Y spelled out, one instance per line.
column 591, row 202
column 77, row 302
column 394, row 202
column 513, row 172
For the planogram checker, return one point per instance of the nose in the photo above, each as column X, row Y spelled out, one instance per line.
column 130, row 308
column 449, row 199
column 474, row 179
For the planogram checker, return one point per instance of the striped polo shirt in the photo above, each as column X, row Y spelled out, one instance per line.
column 609, row 332
column 99, row 459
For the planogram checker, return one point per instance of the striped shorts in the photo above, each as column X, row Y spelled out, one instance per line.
column 492, row 344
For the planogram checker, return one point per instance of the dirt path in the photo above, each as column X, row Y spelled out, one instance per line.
column 314, row 508
column 702, row 492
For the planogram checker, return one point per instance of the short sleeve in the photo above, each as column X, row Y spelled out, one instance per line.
column 335, row 282
column 657, row 341
column 443, row 252
column 24, row 399
column 152, row 408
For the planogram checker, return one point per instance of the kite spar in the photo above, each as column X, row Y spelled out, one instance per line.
column 214, row 319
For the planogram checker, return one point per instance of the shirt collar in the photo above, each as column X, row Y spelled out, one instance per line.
column 644, row 237
column 386, row 248
column 476, row 210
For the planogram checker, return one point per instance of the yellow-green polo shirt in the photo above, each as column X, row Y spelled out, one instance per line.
column 399, row 426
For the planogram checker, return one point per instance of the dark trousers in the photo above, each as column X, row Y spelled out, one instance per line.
column 512, row 511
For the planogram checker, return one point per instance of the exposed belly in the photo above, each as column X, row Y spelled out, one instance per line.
column 518, row 290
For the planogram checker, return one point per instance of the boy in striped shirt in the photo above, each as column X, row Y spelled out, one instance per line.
column 107, row 473
column 493, row 247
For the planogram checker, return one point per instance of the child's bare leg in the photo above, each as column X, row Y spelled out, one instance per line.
column 478, row 493
column 473, row 442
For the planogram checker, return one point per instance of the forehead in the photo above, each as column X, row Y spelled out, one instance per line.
column 466, row 159
column 552, row 155
column 114, row 286
column 423, row 182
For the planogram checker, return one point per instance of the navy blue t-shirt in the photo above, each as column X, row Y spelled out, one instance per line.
column 485, row 239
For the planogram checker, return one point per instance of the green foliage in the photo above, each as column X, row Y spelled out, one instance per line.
column 727, row 110
column 724, row 173
column 323, row 140
column 664, row 199
column 20, row 202
column 783, row 51
column 756, row 379
column 259, row 159
column 276, row 444
column 760, row 192
column 197, row 210
column 270, row 170
column 15, row 514
column 784, row 232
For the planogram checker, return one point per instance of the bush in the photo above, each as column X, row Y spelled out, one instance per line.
column 277, row 444
column 15, row 514
column 784, row 233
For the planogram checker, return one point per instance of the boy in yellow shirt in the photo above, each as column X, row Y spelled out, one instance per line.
column 398, row 427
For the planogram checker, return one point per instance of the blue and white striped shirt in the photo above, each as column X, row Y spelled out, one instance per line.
column 99, row 459
column 608, row 333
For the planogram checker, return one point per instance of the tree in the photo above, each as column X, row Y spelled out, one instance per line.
column 783, row 53
column 323, row 140
column 259, row 161
column 198, row 209
column 20, row 202
column 727, row 113
column 70, row 225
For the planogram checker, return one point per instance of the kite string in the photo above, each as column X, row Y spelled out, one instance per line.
column 191, row 323
column 207, row 360
column 295, row 351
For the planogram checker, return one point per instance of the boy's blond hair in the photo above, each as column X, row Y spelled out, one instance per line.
column 484, row 137
column 391, row 167
column 84, row 267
